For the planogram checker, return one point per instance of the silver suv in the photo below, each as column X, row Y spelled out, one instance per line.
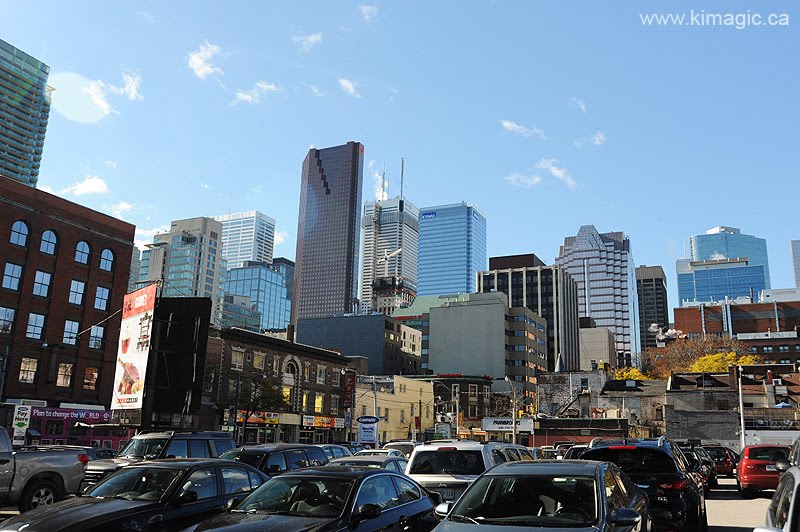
column 448, row 467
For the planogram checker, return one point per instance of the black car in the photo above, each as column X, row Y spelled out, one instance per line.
column 701, row 461
column 161, row 495
column 549, row 495
column 677, row 499
column 275, row 458
column 332, row 498
column 392, row 463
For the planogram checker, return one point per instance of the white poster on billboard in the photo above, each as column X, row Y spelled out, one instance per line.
column 22, row 420
column 134, row 348
column 505, row 424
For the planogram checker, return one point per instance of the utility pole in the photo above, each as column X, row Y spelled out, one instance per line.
column 458, row 416
column 513, row 414
column 741, row 409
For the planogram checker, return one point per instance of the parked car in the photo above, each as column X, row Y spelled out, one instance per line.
column 703, row 465
column 276, row 458
column 711, row 466
column 392, row 463
column 724, row 459
column 404, row 447
column 333, row 450
column 677, row 500
column 332, row 499
column 380, row 452
column 575, row 451
column 163, row 495
column 448, row 467
column 784, row 509
column 153, row 445
column 550, row 495
column 94, row 453
column 757, row 469
column 35, row 477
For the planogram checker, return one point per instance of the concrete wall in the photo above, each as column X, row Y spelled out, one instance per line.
column 596, row 344
column 557, row 390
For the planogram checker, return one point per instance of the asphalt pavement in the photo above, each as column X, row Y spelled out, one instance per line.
column 728, row 512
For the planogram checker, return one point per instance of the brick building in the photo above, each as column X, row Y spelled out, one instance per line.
column 65, row 272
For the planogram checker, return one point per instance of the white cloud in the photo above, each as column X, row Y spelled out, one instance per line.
column 558, row 171
column 119, row 209
column 206, row 186
column 512, row 127
column 110, row 164
column 598, row 138
column 578, row 103
column 316, row 91
column 130, row 86
column 91, row 184
column 392, row 94
column 148, row 16
column 145, row 236
column 307, row 42
column 523, row 181
column 377, row 183
column 200, row 60
column 280, row 237
column 97, row 90
column 349, row 87
column 368, row 11
column 254, row 95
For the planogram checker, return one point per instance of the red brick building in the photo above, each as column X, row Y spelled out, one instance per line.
column 768, row 329
column 64, row 271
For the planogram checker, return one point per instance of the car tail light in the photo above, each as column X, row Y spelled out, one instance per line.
column 446, row 449
column 678, row 485
column 622, row 447
column 83, row 458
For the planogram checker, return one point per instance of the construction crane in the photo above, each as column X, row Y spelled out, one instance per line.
column 385, row 260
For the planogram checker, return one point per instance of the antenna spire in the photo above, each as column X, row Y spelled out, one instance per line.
column 383, row 185
column 402, row 169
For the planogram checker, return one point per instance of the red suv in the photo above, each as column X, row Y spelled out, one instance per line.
column 757, row 470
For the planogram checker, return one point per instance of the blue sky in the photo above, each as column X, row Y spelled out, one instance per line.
column 546, row 115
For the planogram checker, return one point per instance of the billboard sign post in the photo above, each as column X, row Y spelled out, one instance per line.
column 368, row 431
column 134, row 349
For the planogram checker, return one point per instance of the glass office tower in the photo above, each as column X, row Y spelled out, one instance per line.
column 24, row 111
column 724, row 242
column 268, row 288
column 247, row 236
column 651, row 288
column 328, row 232
column 452, row 249
column 712, row 281
column 602, row 265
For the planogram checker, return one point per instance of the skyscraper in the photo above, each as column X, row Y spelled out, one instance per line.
column 247, row 236
column 188, row 259
column 602, row 265
column 328, row 231
column 651, row 286
column 268, row 288
column 796, row 262
column 729, row 243
column 452, row 249
column 391, row 240
column 24, row 108
column 707, row 281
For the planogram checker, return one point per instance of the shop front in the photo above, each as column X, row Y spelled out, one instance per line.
column 322, row 429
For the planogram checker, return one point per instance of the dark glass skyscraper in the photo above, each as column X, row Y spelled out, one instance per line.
column 328, row 232
column 24, row 110
column 651, row 287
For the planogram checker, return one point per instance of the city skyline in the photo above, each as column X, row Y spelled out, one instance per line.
column 572, row 128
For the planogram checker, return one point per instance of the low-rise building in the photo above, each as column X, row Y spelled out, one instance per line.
column 405, row 406
column 640, row 402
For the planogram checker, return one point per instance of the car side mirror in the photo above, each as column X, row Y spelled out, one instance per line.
column 627, row 517
column 436, row 497
column 443, row 509
column 187, row 496
column 782, row 465
column 230, row 503
column 368, row 511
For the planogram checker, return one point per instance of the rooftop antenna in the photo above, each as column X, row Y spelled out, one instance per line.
column 383, row 186
column 402, row 169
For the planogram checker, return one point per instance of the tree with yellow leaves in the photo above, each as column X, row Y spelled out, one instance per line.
column 630, row 374
column 720, row 362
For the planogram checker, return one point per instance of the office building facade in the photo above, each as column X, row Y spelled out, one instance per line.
column 724, row 242
column 707, row 281
column 328, row 232
column 549, row 291
column 188, row 261
column 796, row 262
column 24, row 111
column 390, row 252
column 452, row 249
column 651, row 288
column 247, row 236
column 602, row 266
column 268, row 288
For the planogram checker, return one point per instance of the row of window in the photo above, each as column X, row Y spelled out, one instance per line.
column 49, row 245
column 28, row 370
column 771, row 349
column 36, row 324
column 12, row 277
column 259, row 360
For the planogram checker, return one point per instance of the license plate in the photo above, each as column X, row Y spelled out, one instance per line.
column 447, row 494
column 771, row 467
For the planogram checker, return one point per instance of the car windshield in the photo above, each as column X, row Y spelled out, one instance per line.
column 136, row 484
column 768, row 453
column 634, row 460
column 144, row 447
column 717, row 453
column 534, row 501
column 251, row 459
column 438, row 461
column 318, row 497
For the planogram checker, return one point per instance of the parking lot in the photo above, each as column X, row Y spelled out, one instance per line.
column 728, row 512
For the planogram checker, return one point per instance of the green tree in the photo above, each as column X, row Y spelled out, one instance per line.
column 720, row 362
column 256, row 392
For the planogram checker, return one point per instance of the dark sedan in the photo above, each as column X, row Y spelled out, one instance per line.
column 160, row 495
column 332, row 498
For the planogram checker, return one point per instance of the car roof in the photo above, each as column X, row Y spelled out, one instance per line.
column 334, row 471
column 200, row 434
column 547, row 467
column 461, row 444
column 365, row 458
column 267, row 447
column 180, row 462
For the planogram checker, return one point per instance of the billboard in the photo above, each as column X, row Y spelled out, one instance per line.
column 505, row 424
column 349, row 389
column 134, row 349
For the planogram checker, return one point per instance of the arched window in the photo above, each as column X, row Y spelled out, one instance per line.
column 107, row 260
column 82, row 252
column 19, row 233
column 49, row 242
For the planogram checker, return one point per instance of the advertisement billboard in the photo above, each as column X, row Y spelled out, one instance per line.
column 368, row 431
column 134, row 348
column 22, row 420
column 505, row 424
column 349, row 389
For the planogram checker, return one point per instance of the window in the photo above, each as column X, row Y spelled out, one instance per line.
column 19, row 233
column 258, row 360
column 11, row 276
column 35, row 326
column 107, row 260
column 27, row 370
column 101, row 298
column 235, row 480
column 203, row 482
column 319, row 398
column 334, row 404
column 71, row 329
column 320, row 375
column 54, row 427
column 177, row 449
column 768, row 349
column 198, row 448
column 90, row 378
column 76, row 290
column 41, row 284
column 6, row 319
column 782, row 501
column 96, row 336
column 237, row 360
column 378, row 490
column 82, row 253
column 64, row 375
column 335, row 378
column 473, row 391
column 407, row 491
column 49, row 241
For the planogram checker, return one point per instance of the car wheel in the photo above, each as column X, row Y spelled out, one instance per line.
column 38, row 493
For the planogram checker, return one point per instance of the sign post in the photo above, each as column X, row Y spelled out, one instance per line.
column 368, row 430
column 22, row 420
